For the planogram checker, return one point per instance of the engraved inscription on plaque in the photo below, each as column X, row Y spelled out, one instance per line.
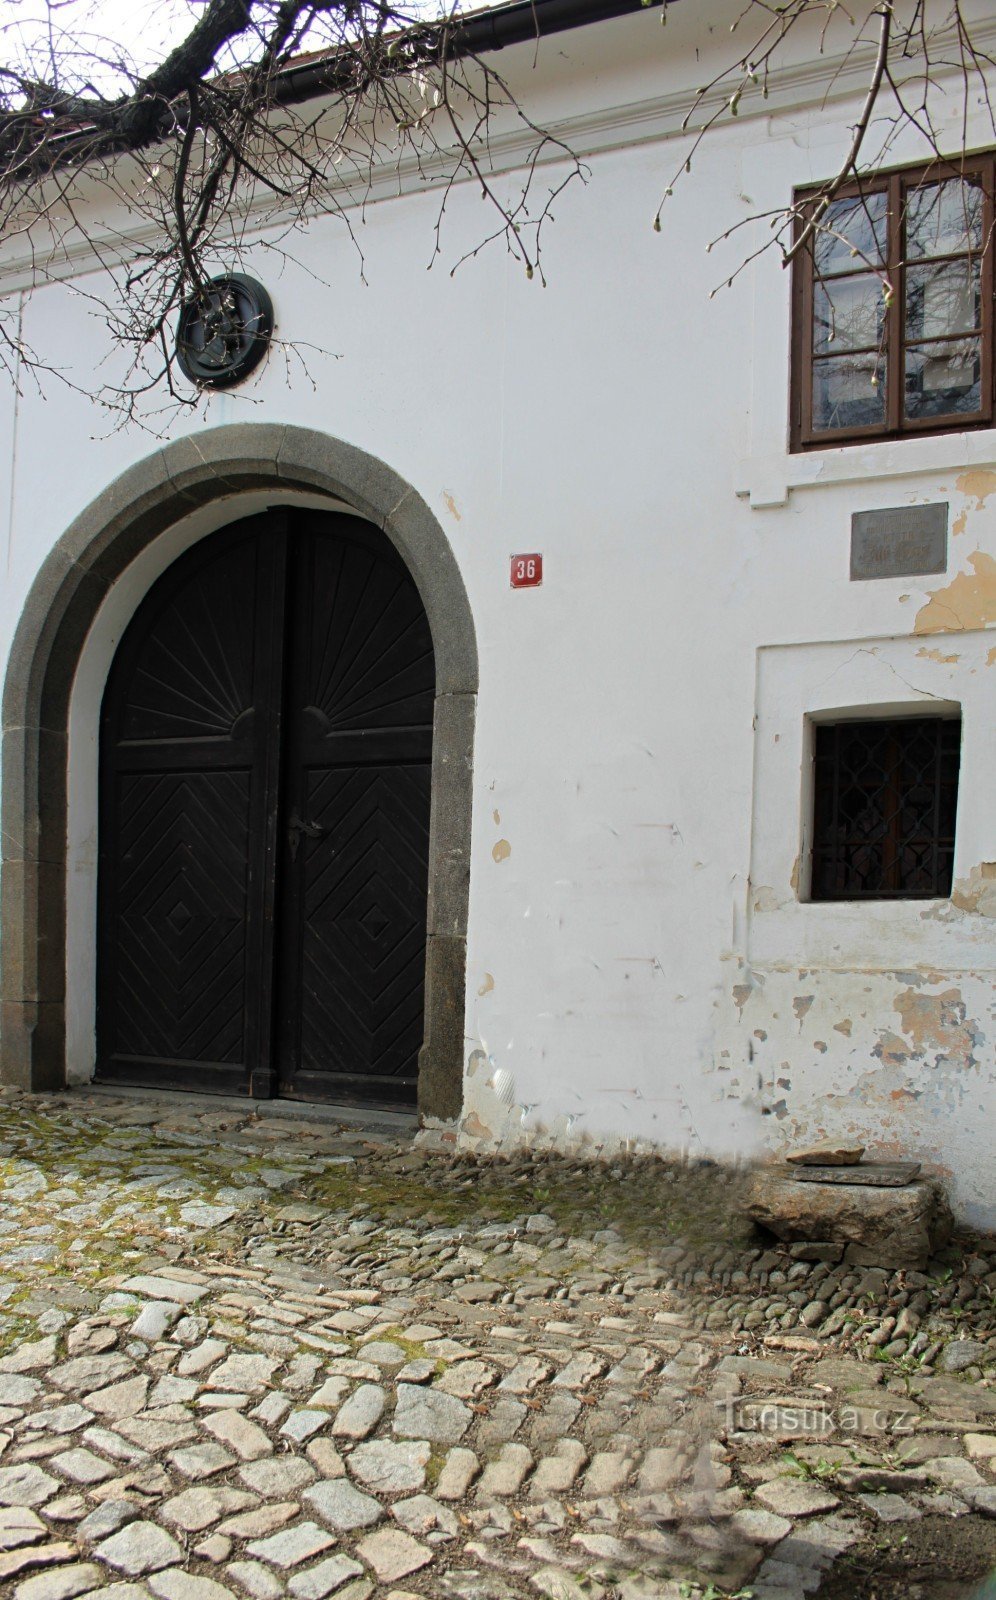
column 899, row 543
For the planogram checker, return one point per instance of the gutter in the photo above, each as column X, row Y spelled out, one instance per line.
column 518, row 22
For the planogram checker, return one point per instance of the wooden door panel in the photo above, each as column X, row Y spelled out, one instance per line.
column 181, row 860
column 187, row 717
column 363, row 937
column 361, row 690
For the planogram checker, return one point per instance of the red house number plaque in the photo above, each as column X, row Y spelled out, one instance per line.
column 527, row 571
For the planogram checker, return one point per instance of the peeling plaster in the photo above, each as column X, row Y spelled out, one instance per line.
column 937, row 655
column 487, row 986
column 978, row 484
column 801, row 1005
column 502, row 851
column 968, row 601
column 741, row 994
column 939, row 1022
column 977, row 892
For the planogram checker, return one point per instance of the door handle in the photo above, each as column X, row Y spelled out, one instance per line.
column 296, row 826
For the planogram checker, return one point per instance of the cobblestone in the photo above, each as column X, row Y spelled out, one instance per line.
column 268, row 1359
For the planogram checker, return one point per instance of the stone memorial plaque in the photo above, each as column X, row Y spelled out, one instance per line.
column 900, row 542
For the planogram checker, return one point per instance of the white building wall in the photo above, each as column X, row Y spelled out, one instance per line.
column 640, row 964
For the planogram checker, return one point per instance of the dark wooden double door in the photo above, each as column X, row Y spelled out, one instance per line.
column 266, row 741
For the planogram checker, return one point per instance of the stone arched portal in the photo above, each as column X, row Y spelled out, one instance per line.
column 64, row 600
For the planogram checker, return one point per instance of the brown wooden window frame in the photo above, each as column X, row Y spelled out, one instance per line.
column 904, row 847
column 896, row 185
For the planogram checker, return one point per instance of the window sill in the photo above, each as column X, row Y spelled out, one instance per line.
column 769, row 480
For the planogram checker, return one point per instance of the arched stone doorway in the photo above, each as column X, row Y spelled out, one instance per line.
column 67, row 596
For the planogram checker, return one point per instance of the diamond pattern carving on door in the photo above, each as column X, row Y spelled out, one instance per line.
column 182, row 910
column 360, row 701
column 180, row 844
column 364, row 922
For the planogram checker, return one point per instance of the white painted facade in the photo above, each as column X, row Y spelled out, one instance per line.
column 642, row 962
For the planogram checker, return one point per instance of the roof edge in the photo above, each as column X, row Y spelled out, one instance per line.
column 516, row 22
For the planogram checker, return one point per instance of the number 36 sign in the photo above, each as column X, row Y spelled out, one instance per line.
column 527, row 571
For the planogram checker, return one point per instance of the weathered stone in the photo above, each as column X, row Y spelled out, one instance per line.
column 830, row 1153
column 384, row 1353
column 332, row 1393
column 179, row 1585
column 506, row 1474
column 170, row 1289
column 249, row 1374
column 795, row 1497
column 325, row 1578
column 558, row 1471
column 610, row 1471
column 760, row 1527
column 263, row 1520
column 202, row 1356
column 421, row 1514
column 557, row 1584
column 154, row 1319
column 26, row 1485
column 196, row 1509
column 341, row 1506
column 428, row 1414
column 282, row 1476
column 58, row 1419
column 459, row 1471
column 961, row 1353
column 292, row 1546
column 201, row 1460
column 389, row 1468
column 301, row 1425
column 255, row 1579
column 86, row 1373
column 466, row 1379
column 889, row 1507
column 105, row 1520
column 139, row 1548
column 243, row 1436
column 20, row 1526
column 18, row 1391
column 36, row 1355
column 119, row 1400
column 63, row 1583
column 393, row 1554
column 82, row 1466
column 882, row 1227
column 361, row 1412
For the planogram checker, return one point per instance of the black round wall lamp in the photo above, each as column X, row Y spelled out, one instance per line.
column 223, row 334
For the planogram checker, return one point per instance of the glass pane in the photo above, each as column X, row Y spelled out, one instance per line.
column 849, row 392
column 943, row 298
column 944, row 219
column 852, row 233
column 849, row 313
column 942, row 379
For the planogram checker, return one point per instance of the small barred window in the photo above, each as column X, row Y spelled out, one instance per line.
column 886, row 793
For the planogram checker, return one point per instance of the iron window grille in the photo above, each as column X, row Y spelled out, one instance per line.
column 886, row 794
column 893, row 309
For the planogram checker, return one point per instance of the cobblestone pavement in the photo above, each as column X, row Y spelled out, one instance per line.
column 253, row 1358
